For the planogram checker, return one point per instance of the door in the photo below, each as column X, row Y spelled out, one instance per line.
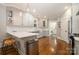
column 64, row 29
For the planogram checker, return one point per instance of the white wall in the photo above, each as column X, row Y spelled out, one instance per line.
column 58, row 27
column 2, row 20
column 64, row 25
column 75, row 19
column 2, row 23
column 67, row 17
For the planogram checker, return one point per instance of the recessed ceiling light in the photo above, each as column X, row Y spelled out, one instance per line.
column 34, row 10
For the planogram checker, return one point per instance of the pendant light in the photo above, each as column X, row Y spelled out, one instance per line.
column 29, row 9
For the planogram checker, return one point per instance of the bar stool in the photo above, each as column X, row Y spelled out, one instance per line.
column 8, row 44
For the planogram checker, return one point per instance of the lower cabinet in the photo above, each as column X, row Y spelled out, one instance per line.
column 32, row 47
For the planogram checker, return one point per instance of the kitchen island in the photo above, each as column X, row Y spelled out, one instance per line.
column 21, row 40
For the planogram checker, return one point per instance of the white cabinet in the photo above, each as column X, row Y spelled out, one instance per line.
column 43, row 23
column 35, row 22
column 14, row 16
column 29, row 20
column 19, row 18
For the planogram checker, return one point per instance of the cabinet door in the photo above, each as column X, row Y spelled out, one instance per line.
column 35, row 22
column 14, row 16
column 28, row 20
column 17, row 19
column 32, row 47
column 43, row 23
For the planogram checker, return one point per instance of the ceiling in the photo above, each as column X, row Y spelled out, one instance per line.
column 51, row 10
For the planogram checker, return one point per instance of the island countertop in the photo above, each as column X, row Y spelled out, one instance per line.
column 22, row 34
column 76, row 38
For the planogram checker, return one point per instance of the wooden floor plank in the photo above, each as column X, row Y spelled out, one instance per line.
column 45, row 46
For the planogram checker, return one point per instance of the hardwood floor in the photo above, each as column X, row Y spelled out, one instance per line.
column 62, row 48
column 44, row 46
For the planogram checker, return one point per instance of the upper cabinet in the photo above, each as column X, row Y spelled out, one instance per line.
column 28, row 20
column 17, row 17
column 43, row 23
column 14, row 16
